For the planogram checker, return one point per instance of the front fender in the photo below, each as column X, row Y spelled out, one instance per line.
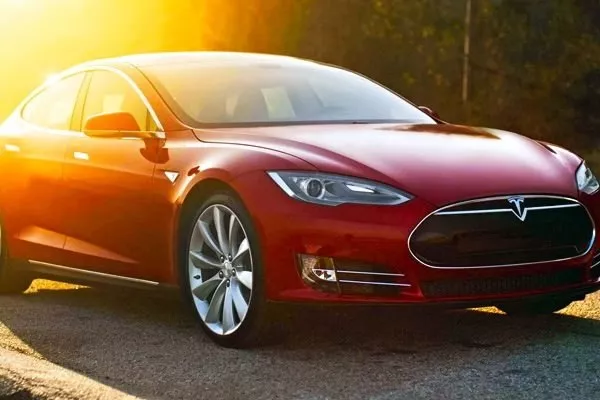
column 226, row 163
column 194, row 163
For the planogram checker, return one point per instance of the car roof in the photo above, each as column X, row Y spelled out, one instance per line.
column 216, row 58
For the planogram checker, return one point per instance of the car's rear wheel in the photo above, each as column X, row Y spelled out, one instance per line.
column 223, row 275
column 535, row 307
column 11, row 281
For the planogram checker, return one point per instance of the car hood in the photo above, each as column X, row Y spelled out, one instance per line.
column 440, row 163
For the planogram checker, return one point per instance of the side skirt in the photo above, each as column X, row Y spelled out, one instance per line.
column 80, row 276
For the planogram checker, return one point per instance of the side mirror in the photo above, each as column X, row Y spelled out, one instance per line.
column 429, row 112
column 112, row 125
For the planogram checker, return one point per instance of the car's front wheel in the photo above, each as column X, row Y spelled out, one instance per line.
column 535, row 307
column 222, row 273
column 11, row 281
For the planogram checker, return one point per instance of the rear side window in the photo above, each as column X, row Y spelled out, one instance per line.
column 53, row 107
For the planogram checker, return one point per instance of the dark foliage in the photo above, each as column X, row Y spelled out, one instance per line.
column 533, row 66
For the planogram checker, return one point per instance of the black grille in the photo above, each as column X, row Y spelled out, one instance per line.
column 503, row 285
column 488, row 233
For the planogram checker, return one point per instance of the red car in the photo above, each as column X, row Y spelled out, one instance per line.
column 248, row 180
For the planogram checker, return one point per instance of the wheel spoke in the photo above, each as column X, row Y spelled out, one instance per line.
column 245, row 278
column 234, row 227
column 241, row 307
column 244, row 247
column 201, row 261
column 208, row 237
column 218, row 217
column 216, row 304
column 204, row 290
column 228, row 318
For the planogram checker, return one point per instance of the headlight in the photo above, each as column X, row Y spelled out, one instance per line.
column 586, row 181
column 333, row 190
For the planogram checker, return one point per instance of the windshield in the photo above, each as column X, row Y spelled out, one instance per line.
column 253, row 95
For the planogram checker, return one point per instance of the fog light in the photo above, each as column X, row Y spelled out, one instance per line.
column 318, row 272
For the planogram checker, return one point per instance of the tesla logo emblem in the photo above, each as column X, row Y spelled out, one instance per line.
column 517, row 207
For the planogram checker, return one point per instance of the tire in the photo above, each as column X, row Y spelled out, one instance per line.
column 11, row 281
column 537, row 307
column 226, row 292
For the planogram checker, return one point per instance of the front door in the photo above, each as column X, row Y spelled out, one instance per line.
column 109, row 184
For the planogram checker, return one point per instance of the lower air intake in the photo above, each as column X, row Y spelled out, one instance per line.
column 501, row 286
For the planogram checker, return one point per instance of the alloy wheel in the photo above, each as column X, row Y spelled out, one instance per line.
column 220, row 269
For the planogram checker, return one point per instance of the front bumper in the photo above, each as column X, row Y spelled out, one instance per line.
column 378, row 236
column 573, row 294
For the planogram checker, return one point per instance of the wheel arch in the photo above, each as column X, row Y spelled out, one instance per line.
column 195, row 196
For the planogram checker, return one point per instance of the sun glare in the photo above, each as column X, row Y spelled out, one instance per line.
column 51, row 78
column 45, row 36
column 18, row 3
column 17, row 11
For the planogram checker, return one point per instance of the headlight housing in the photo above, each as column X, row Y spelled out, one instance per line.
column 332, row 190
column 586, row 181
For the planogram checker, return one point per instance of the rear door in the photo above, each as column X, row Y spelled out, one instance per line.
column 33, row 143
column 109, row 185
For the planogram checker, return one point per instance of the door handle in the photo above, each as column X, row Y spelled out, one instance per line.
column 80, row 155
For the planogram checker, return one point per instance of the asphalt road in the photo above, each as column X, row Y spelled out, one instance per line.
column 64, row 341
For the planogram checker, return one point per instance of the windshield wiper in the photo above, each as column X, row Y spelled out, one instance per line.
column 388, row 121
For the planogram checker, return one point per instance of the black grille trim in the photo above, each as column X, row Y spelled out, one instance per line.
column 499, row 207
column 503, row 285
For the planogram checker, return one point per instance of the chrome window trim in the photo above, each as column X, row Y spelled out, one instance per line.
column 440, row 210
column 160, row 133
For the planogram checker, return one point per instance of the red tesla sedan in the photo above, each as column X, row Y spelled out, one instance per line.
column 248, row 180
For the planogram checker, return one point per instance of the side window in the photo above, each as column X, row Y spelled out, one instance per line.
column 109, row 92
column 53, row 107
